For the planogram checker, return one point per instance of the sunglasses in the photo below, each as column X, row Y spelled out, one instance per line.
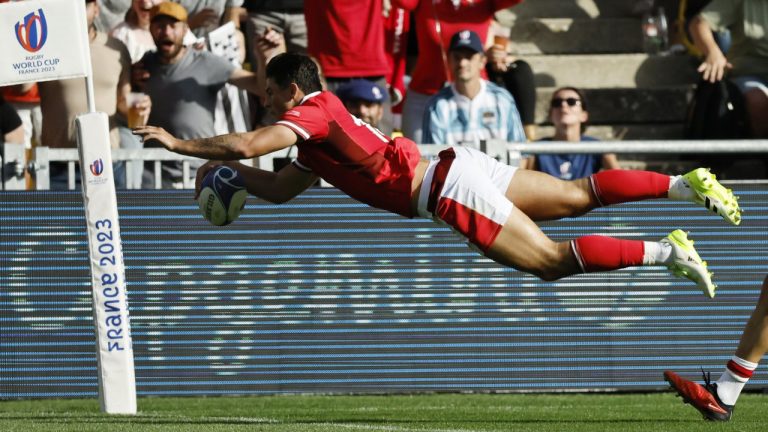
column 558, row 102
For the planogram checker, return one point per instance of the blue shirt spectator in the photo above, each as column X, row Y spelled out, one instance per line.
column 568, row 113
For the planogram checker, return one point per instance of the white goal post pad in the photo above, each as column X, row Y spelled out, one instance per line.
column 114, row 348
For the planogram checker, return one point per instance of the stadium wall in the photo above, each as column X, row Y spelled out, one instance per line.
column 327, row 295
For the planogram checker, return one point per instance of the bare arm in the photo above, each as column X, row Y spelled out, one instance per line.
column 610, row 161
column 247, row 81
column 224, row 147
column 276, row 187
column 715, row 64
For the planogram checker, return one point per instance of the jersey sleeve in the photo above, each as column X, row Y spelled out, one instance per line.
column 308, row 122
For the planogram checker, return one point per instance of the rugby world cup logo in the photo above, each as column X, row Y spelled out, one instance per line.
column 97, row 167
column 32, row 32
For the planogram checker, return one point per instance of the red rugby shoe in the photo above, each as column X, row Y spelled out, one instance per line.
column 703, row 398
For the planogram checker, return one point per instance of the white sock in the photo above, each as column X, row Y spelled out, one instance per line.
column 656, row 253
column 680, row 190
column 734, row 378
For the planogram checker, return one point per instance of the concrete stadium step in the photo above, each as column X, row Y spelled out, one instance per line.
column 626, row 105
column 576, row 36
column 613, row 70
column 569, row 8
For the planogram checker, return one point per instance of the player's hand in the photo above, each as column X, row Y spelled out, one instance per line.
column 714, row 66
column 201, row 172
column 149, row 133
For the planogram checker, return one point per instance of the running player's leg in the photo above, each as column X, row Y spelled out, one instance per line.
column 715, row 400
column 754, row 341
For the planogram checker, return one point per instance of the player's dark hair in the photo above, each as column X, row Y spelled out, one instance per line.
column 287, row 68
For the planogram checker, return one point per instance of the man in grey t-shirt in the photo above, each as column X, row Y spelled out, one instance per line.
column 183, row 82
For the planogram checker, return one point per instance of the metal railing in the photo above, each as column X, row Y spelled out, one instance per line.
column 511, row 153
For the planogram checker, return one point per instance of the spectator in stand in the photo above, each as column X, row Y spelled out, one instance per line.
column 472, row 109
column 363, row 99
column 686, row 11
column 232, row 111
column 61, row 101
column 207, row 15
column 397, row 23
column 183, row 82
column 513, row 74
column 568, row 113
column 284, row 16
column 25, row 99
column 747, row 61
column 11, row 127
column 134, row 33
column 435, row 22
column 111, row 14
column 346, row 38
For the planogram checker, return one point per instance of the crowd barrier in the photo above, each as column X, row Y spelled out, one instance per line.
column 505, row 151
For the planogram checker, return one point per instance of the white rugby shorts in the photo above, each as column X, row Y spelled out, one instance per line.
column 464, row 189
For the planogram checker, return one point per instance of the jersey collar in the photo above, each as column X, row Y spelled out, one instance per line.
column 308, row 97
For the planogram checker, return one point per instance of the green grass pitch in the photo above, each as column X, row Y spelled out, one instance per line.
column 394, row 413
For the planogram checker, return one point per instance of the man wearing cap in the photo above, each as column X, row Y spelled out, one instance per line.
column 183, row 82
column 471, row 109
column 363, row 99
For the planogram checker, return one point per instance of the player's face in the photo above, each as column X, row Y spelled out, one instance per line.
column 168, row 34
column 465, row 64
column 369, row 112
column 562, row 113
column 279, row 100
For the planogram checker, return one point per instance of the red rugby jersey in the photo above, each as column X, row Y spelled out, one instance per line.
column 346, row 37
column 352, row 155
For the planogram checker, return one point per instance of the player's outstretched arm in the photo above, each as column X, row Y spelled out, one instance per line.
column 223, row 147
column 275, row 187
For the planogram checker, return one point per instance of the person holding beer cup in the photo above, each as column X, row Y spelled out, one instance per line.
column 139, row 106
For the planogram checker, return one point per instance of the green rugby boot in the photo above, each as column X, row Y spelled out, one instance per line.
column 685, row 262
column 714, row 196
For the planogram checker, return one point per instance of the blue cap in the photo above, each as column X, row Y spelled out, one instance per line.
column 361, row 89
column 466, row 39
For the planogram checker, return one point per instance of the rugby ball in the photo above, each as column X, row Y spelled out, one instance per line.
column 222, row 195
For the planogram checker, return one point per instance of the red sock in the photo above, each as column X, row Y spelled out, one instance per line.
column 619, row 186
column 599, row 253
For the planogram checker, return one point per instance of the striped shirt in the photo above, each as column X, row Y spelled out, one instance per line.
column 454, row 119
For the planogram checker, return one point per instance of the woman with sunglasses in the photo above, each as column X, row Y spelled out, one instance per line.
column 568, row 113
